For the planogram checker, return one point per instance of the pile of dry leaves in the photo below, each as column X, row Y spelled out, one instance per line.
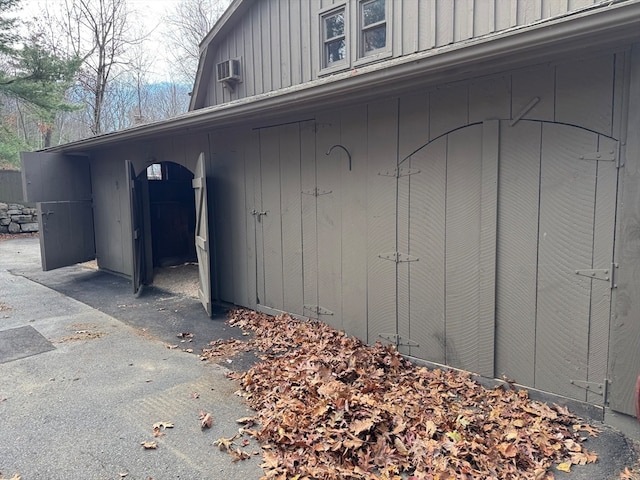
column 329, row 406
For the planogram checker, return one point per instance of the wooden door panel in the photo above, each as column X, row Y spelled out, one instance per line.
column 202, row 233
column 137, row 227
column 66, row 233
column 565, row 244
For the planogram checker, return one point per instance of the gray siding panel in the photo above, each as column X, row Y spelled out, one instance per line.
column 427, row 239
column 584, row 93
column 625, row 331
column 221, row 186
column 567, row 193
column 484, row 18
column 489, row 98
column 518, row 251
column 531, row 84
column 449, row 109
column 329, row 170
column 603, row 232
column 463, row 20
column 272, row 220
column 309, row 225
column 354, row 222
column 253, row 202
column 291, row 217
column 462, row 233
column 280, row 42
column 381, row 218
column 445, row 22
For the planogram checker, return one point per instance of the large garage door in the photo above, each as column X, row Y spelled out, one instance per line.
column 510, row 248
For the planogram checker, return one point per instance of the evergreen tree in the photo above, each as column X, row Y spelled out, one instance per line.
column 32, row 75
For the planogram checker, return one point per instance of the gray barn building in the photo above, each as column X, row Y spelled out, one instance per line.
column 458, row 177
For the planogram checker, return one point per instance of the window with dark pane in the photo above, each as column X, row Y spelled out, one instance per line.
column 335, row 49
column 373, row 26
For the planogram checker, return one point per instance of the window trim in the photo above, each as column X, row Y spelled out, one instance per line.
column 345, row 63
column 379, row 53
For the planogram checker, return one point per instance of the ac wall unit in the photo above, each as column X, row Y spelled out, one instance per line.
column 229, row 71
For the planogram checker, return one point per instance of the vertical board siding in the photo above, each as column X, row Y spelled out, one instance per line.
column 584, row 94
column 381, row 218
column 253, row 202
column 308, row 183
column 449, row 109
column 329, row 217
column 444, row 22
column 567, row 192
column 413, row 129
column 295, row 30
column 551, row 215
column 489, row 98
column 354, row 222
column 463, row 20
column 224, row 207
column 517, row 245
column 291, row 217
column 462, row 233
column 272, row 219
column 625, row 332
column 239, row 228
column 280, row 42
column 484, row 18
column 487, row 253
column 603, row 232
column 528, row 85
column 427, row 242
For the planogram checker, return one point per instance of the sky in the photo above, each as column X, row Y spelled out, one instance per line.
column 150, row 13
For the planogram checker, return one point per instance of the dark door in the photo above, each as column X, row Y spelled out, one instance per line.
column 134, row 190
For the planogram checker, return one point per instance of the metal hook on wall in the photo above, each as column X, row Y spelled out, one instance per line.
column 345, row 151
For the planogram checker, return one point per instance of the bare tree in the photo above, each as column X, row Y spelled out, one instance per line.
column 100, row 32
column 189, row 22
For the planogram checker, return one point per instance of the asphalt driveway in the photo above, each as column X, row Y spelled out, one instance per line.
column 81, row 389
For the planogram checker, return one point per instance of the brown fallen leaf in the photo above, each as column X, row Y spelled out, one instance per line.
column 564, row 467
column 157, row 432
column 238, row 455
column 206, row 420
column 246, row 420
column 225, row 444
column 194, row 395
column 163, row 425
column 329, row 406
column 626, row 474
column 149, row 445
column 185, row 335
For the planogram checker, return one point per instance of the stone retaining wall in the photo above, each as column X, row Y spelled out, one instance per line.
column 16, row 218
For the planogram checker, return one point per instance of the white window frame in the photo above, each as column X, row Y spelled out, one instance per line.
column 325, row 66
column 380, row 53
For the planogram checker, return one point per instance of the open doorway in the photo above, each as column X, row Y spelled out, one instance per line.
column 172, row 215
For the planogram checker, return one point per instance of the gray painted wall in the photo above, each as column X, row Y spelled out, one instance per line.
column 278, row 41
column 491, row 220
column 11, row 187
column 315, row 242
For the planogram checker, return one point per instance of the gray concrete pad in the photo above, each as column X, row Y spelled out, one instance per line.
column 81, row 409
